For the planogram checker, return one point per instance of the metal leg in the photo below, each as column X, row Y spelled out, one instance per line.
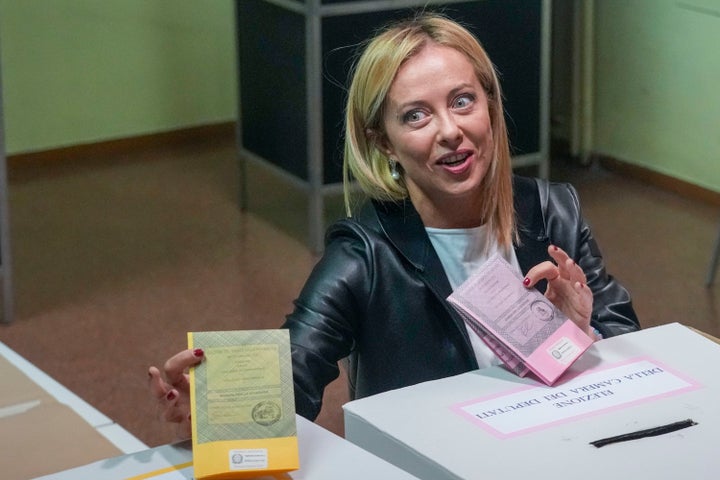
column 5, row 264
column 713, row 262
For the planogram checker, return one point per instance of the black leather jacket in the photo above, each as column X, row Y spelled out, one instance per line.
column 378, row 295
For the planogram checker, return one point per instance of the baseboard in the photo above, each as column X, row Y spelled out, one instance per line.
column 681, row 187
column 117, row 147
column 222, row 132
column 560, row 148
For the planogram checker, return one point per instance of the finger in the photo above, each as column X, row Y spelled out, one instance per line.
column 542, row 271
column 582, row 307
column 166, row 396
column 176, row 366
column 172, row 411
column 562, row 259
column 558, row 254
column 158, row 387
column 569, row 270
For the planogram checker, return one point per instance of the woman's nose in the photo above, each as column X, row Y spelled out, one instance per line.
column 449, row 131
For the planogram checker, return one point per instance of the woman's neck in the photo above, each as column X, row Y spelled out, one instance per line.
column 451, row 213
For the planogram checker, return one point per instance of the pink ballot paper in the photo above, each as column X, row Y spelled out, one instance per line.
column 520, row 325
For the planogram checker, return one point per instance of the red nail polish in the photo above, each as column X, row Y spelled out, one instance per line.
column 555, row 248
column 526, row 281
column 170, row 396
column 198, row 352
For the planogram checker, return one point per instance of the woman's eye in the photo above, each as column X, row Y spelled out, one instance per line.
column 414, row 116
column 463, row 101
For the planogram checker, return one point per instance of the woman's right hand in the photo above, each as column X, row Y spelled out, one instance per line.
column 566, row 287
column 171, row 389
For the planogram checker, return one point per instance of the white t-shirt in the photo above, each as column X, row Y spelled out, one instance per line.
column 462, row 251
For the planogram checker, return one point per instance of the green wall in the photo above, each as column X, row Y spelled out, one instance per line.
column 82, row 71
column 657, row 86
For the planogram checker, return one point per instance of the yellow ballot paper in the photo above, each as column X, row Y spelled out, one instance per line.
column 242, row 405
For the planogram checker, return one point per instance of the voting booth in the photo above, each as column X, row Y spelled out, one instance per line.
column 490, row 423
column 294, row 58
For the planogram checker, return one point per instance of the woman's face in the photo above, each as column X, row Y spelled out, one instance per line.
column 437, row 127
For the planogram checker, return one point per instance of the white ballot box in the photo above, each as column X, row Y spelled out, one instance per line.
column 659, row 386
column 323, row 456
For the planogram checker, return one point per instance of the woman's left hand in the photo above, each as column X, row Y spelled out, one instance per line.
column 567, row 287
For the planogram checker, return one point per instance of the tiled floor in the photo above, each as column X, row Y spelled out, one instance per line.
column 115, row 262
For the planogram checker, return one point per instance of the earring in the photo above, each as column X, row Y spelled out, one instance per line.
column 394, row 169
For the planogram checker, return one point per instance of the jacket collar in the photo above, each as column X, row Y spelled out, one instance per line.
column 530, row 207
column 403, row 227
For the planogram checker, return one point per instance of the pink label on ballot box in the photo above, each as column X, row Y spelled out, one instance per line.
column 532, row 408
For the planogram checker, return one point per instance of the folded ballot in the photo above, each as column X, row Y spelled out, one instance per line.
column 520, row 325
column 242, row 405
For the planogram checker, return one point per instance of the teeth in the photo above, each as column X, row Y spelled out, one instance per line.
column 455, row 158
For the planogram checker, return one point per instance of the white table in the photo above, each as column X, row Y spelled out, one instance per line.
column 46, row 427
column 323, row 456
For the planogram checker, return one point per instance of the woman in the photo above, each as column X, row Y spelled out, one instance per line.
column 426, row 141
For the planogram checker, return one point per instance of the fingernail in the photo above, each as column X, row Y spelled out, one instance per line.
column 198, row 352
column 170, row 396
column 526, row 281
column 555, row 248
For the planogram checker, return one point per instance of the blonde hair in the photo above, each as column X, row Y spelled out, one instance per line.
column 373, row 75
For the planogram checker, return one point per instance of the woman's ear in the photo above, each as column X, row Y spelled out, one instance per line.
column 379, row 141
column 371, row 136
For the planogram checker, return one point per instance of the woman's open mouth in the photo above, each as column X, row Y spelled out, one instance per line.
column 455, row 163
